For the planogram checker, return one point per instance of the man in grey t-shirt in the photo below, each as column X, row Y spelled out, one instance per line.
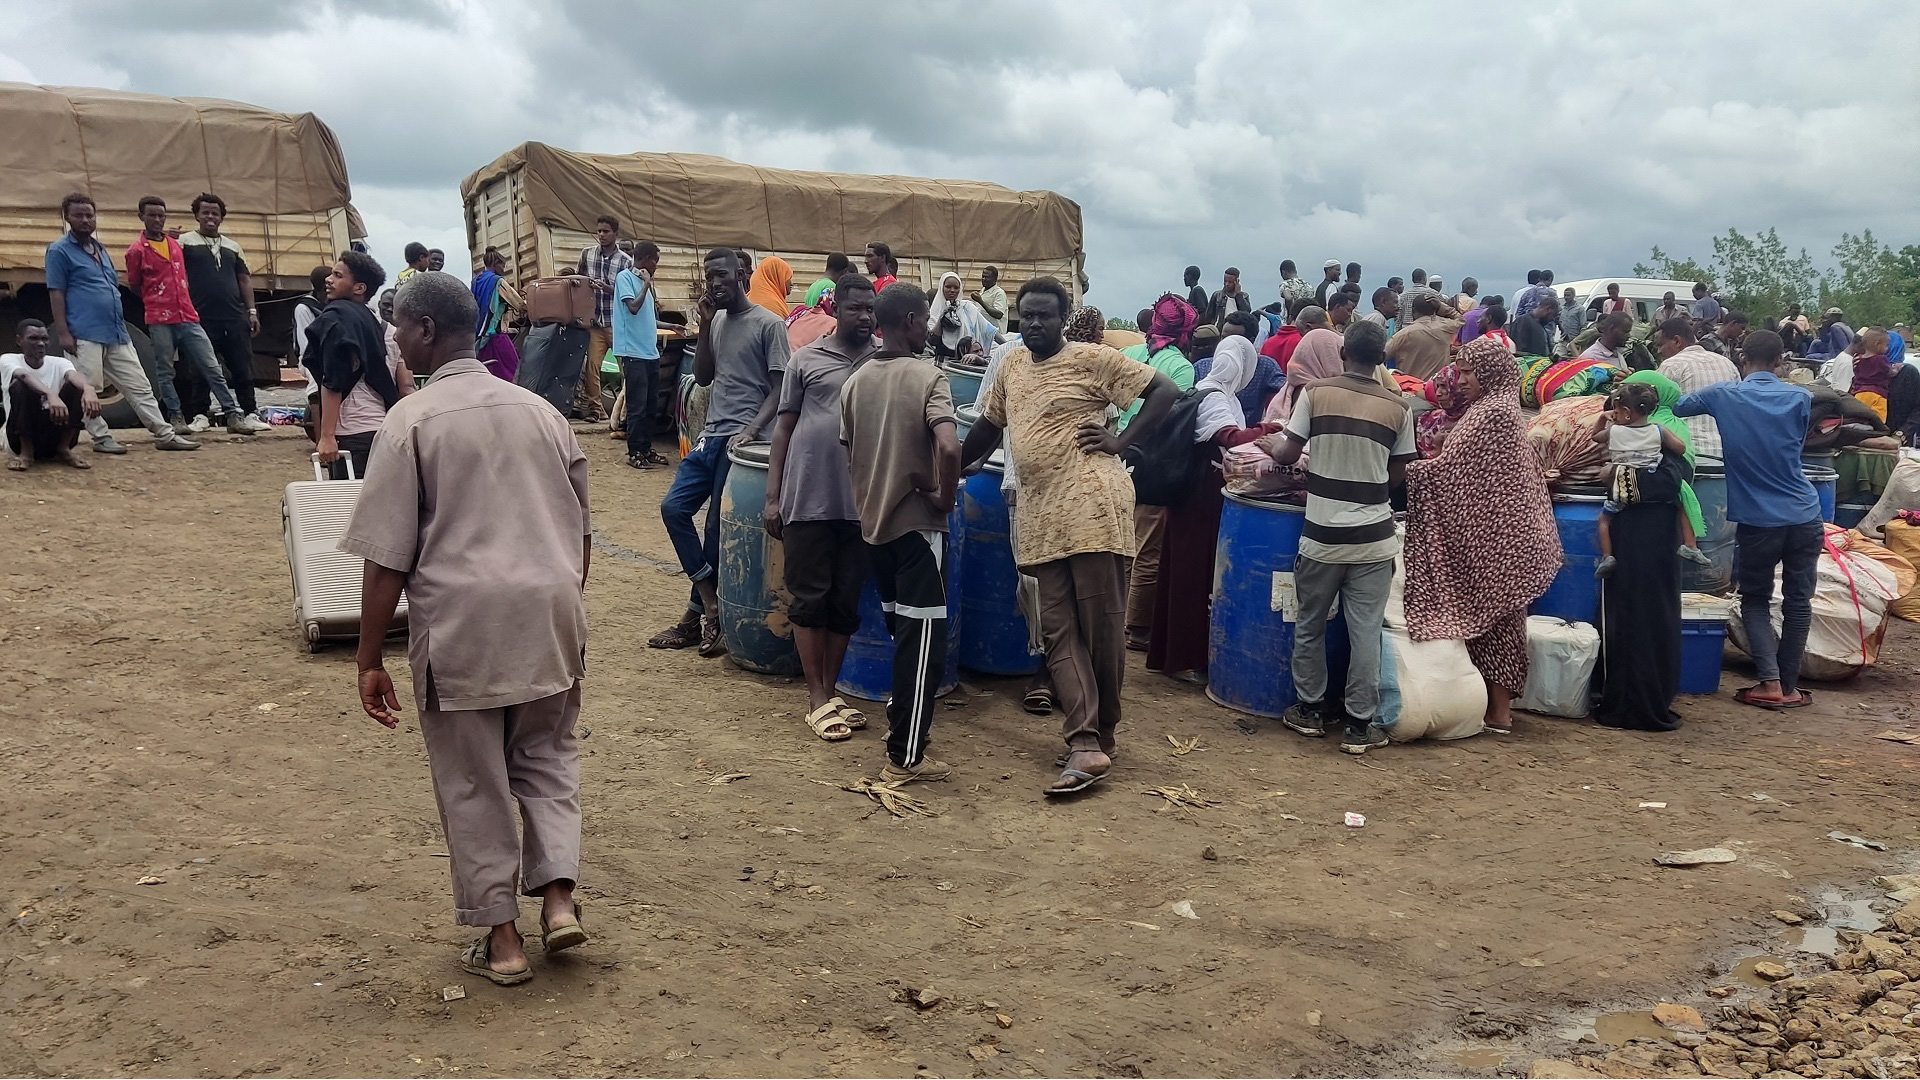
column 810, row 507
column 742, row 355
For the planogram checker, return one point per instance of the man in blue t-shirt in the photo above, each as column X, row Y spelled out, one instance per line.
column 1763, row 425
column 636, row 342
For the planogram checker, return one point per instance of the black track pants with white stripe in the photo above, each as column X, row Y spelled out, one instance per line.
column 909, row 574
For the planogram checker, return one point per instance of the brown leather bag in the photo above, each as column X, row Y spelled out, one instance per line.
column 566, row 300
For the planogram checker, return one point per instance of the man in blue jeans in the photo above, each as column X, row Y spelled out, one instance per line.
column 1763, row 424
column 741, row 357
column 637, row 343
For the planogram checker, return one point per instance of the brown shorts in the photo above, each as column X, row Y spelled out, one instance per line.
column 826, row 566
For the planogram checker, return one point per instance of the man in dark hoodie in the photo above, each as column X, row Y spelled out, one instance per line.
column 347, row 353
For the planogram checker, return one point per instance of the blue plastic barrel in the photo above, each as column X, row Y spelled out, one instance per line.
column 993, row 632
column 1847, row 515
column 963, row 380
column 752, row 571
column 1826, row 484
column 965, row 415
column 867, row 672
column 1717, row 543
column 1703, row 639
column 1575, row 593
column 1250, row 638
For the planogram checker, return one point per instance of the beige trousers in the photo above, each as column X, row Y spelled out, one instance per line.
column 1083, row 601
column 586, row 396
column 1149, row 531
column 489, row 764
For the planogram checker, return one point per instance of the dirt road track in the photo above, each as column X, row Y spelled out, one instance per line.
column 159, row 720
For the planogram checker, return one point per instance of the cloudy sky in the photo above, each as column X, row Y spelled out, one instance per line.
column 1468, row 139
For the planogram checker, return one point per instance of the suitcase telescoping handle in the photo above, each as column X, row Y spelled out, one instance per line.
column 346, row 455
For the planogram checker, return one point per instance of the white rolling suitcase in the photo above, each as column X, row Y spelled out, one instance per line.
column 326, row 580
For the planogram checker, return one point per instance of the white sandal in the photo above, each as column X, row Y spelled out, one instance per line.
column 855, row 719
column 826, row 719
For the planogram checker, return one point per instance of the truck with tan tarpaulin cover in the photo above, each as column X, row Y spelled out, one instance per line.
column 537, row 204
column 282, row 176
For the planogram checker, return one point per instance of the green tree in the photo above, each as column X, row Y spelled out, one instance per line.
column 1662, row 265
column 1758, row 275
column 1872, row 283
column 1117, row 323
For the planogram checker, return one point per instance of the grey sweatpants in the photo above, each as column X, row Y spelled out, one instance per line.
column 488, row 764
column 1361, row 589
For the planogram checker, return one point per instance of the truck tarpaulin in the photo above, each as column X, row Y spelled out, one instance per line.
column 700, row 201
column 118, row 146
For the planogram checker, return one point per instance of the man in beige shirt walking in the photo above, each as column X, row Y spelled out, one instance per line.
column 498, row 625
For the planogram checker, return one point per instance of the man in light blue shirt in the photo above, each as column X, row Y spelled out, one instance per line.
column 636, row 342
column 1763, row 425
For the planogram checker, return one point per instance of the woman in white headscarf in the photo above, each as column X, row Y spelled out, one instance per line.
column 952, row 317
column 1180, row 611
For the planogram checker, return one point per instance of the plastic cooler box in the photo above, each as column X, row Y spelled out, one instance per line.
column 1703, row 638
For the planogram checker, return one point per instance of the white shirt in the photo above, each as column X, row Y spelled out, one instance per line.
column 303, row 317
column 1838, row 373
column 46, row 378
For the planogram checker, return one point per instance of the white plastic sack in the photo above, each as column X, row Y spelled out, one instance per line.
column 1429, row 689
column 1901, row 493
column 1851, row 593
column 1560, row 662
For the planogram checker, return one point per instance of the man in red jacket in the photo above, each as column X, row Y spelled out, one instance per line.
column 157, row 273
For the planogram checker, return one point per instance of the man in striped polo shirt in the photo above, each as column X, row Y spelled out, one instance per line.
column 1358, row 437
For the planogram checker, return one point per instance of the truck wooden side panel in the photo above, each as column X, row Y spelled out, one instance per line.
column 281, row 248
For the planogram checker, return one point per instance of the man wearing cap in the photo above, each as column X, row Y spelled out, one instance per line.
column 1231, row 298
column 1331, row 268
column 1832, row 338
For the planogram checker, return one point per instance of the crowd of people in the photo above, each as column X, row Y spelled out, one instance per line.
column 1394, row 430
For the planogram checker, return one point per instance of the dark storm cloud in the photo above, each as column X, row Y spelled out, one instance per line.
column 1517, row 135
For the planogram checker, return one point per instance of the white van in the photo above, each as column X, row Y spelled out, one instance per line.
column 1645, row 294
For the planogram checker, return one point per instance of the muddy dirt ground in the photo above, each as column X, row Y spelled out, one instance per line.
column 158, row 720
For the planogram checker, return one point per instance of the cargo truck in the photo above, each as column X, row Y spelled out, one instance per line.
column 283, row 178
column 537, row 204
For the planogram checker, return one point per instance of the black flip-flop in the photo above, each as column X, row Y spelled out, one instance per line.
column 1039, row 701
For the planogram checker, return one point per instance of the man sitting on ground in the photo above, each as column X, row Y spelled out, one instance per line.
column 45, row 400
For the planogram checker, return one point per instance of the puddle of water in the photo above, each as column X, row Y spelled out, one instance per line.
column 1615, row 1029
column 1819, row 940
column 1845, row 914
column 1480, row 1058
column 1744, row 973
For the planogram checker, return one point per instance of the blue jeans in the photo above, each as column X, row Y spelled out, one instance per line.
column 170, row 339
column 1795, row 548
column 697, row 482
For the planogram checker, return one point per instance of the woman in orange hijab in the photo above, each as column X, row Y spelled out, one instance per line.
column 768, row 288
